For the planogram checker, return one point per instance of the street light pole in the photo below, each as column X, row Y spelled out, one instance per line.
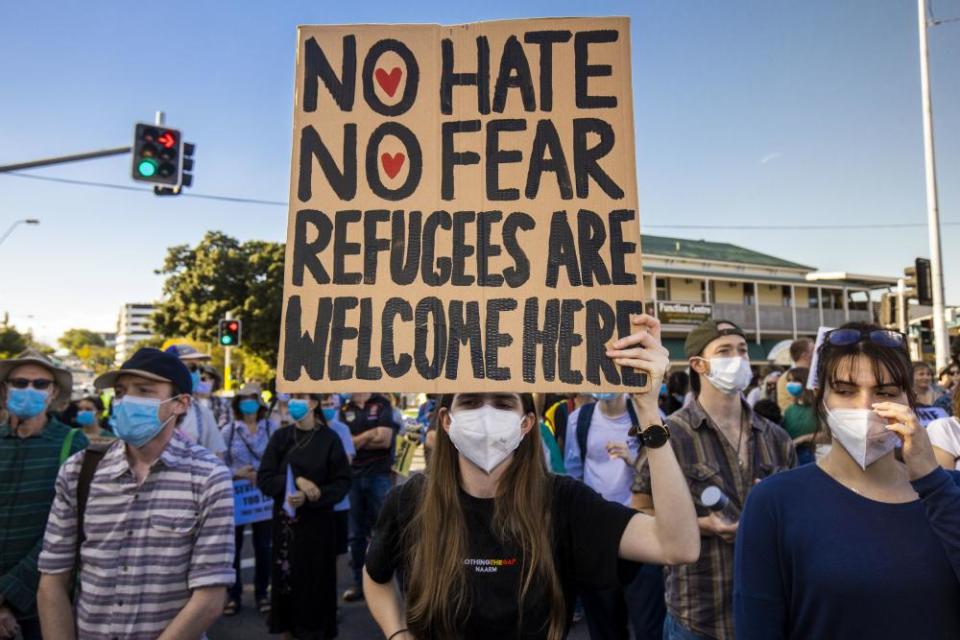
column 6, row 234
column 940, row 338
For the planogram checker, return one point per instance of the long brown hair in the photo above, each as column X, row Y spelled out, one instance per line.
column 436, row 594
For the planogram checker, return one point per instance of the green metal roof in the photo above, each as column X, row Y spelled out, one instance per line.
column 717, row 251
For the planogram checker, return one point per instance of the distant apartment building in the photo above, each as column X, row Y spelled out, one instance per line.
column 133, row 326
column 771, row 299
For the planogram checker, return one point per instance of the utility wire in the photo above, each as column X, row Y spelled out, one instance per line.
column 729, row 227
column 124, row 187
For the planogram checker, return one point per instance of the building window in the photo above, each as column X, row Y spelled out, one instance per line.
column 833, row 299
column 708, row 291
column 813, row 298
column 749, row 295
column 785, row 297
column 859, row 301
column 663, row 289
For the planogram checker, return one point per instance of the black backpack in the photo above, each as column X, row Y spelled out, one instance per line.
column 585, row 418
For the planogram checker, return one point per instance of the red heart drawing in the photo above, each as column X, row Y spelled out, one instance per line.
column 389, row 81
column 392, row 164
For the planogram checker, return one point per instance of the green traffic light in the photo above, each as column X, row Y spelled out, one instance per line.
column 147, row 168
column 226, row 340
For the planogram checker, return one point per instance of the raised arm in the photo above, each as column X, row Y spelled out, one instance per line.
column 672, row 535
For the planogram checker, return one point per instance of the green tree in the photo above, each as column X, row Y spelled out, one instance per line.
column 12, row 341
column 76, row 339
column 219, row 275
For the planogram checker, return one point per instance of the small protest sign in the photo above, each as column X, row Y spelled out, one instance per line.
column 926, row 415
column 249, row 505
column 463, row 208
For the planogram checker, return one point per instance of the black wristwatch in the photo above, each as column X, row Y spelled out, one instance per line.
column 653, row 437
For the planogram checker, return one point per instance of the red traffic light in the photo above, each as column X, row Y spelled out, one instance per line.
column 232, row 326
column 167, row 140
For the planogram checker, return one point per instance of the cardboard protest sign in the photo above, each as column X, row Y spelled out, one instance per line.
column 463, row 208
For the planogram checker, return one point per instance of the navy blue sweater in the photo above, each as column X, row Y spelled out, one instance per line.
column 815, row 560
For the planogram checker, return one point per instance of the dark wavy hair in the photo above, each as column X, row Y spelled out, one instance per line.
column 894, row 361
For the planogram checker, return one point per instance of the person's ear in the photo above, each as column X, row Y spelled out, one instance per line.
column 443, row 419
column 529, row 422
column 181, row 404
column 699, row 364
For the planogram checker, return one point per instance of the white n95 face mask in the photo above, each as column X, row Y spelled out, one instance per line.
column 862, row 433
column 730, row 375
column 485, row 436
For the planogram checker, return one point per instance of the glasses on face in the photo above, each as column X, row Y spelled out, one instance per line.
column 39, row 384
column 881, row 337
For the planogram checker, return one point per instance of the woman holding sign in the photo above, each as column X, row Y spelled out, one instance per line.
column 858, row 545
column 487, row 544
column 304, row 585
column 246, row 441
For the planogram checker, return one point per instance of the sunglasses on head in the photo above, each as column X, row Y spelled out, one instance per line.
column 39, row 384
column 879, row 337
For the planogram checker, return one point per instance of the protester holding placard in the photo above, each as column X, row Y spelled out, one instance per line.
column 304, row 581
column 857, row 545
column 247, row 440
column 489, row 545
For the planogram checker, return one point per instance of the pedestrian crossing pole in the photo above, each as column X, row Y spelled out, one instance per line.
column 227, row 373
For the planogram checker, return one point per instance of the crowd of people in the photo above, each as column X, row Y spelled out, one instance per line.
column 727, row 502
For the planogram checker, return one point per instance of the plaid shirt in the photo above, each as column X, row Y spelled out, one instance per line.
column 700, row 595
column 147, row 546
column 28, row 471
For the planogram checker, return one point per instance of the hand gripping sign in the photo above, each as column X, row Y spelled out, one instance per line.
column 463, row 208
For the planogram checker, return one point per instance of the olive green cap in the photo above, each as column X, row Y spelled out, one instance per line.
column 698, row 339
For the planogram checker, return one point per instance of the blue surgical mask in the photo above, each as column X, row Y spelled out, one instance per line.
column 605, row 396
column 203, row 387
column 663, row 389
column 195, row 379
column 330, row 413
column 26, row 403
column 138, row 419
column 86, row 418
column 298, row 409
column 249, row 406
column 795, row 389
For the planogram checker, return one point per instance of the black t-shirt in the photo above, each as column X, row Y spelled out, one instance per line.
column 376, row 412
column 586, row 541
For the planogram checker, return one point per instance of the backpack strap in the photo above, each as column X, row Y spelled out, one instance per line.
column 91, row 460
column 67, row 445
column 584, row 418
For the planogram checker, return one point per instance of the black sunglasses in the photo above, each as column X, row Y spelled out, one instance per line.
column 193, row 368
column 22, row 383
column 881, row 337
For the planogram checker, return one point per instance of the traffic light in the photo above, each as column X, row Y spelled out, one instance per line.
column 229, row 333
column 157, row 155
column 919, row 282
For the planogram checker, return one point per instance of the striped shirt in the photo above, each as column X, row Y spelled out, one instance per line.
column 148, row 546
column 28, row 472
column 699, row 596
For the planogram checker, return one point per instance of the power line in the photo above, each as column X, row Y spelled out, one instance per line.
column 719, row 227
column 125, row 187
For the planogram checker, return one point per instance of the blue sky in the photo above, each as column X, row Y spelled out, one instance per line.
column 756, row 112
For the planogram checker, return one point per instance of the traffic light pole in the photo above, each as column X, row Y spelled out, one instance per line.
column 77, row 157
column 940, row 338
column 227, row 373
column 902, row 305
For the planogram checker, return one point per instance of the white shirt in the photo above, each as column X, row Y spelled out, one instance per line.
column 200, row 427
column 945, row 434
column 610, row 477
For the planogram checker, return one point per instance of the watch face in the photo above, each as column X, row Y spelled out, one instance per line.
column 655, row 436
